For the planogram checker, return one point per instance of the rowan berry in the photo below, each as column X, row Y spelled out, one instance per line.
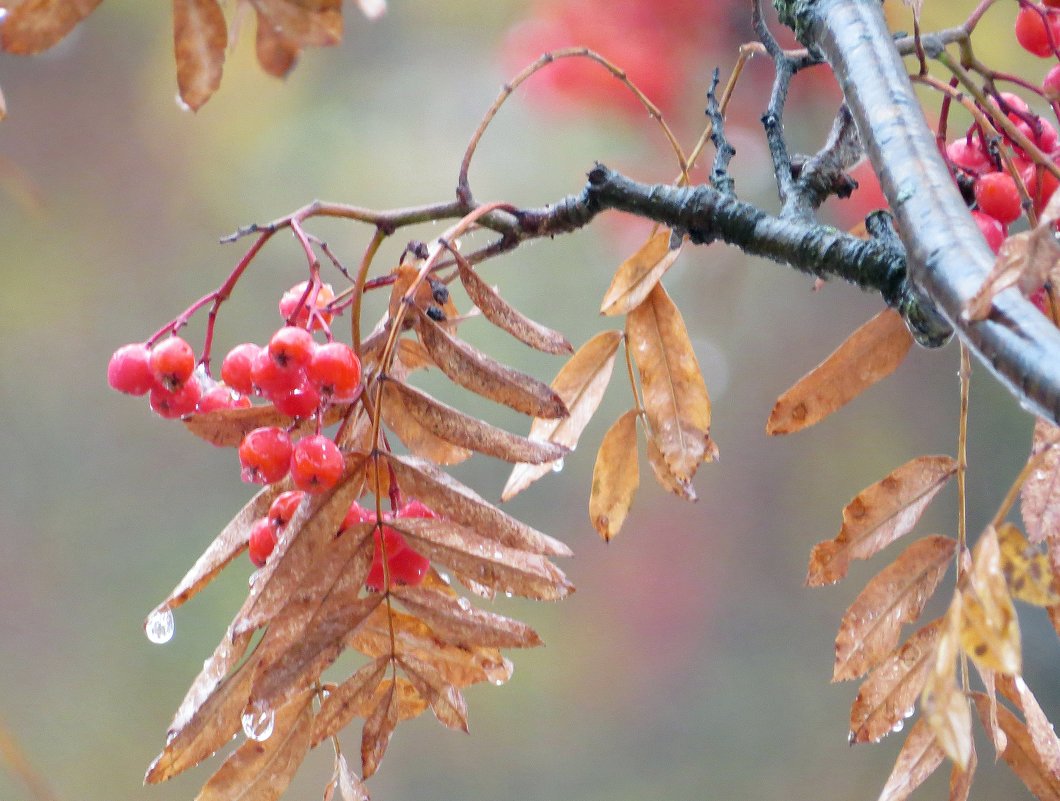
column 265, row 455
column 408, row 567
column 336, row 370
column 968, row 156
column 221, row 397
column 300, row 402
column 283, row 508
column 414, row 509
column 262, row 541
column 292, row 346
column 997, row 195
column 992, row 230
column 236, row 367
column 296, row 312
column 394, row 544
column 174, row 403
column 1051, row 82
column 172, row 362
column 1033, row 31
column 316, row 464
column 272, row 380
column 355, row 515
column 129, row 370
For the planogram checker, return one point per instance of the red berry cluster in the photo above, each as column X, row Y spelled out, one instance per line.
column 165, row 373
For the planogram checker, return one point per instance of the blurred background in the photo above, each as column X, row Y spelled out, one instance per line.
column 692, row 662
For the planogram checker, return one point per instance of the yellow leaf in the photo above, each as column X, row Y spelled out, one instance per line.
column 1027, row 570
column 990, row 632
column 638, row 275
column 943, row 703
column 616, row 476
column 1040, row 493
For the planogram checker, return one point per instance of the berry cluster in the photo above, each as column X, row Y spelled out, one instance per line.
column 165, row 373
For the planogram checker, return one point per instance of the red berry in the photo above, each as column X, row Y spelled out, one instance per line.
column 1033, row 32
column 174, row 403
column 1039, row 298
column 336, row 370
column 297, row 313
column 992, row 230
column 283, row 508
column 316, row 464
column 408, row 567
column 300, row 402
column 414, row 509
column 968, row 156
column 997, row 195
column 262, row 541
column 1039, row 181
column 129, row 370
column 221, row 397
column 292, row 347
column 272, row 380
column 1051, row 82
column 172, row 362
column 236, row 367
column 265, row 455
column 356, row 514
column 394, row 544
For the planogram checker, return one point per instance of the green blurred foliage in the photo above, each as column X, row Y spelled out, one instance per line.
column 691, row 662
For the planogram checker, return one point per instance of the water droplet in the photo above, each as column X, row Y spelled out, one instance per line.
column 498, row 682
column 181, row 104
column 170, row 736
column 464, row 604
column 258, row 725
column 557, row 466
column 508, row 593
column 910, row 712
column 897, row 727
column 498, row 555
column 159, row 625
column 445, row 577
column 373, row 9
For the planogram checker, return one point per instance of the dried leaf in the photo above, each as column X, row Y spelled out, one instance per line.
column 1040, row 494
column 919, row 758
column 993, row 728
column 879, row 515
column 507, row 317
column 378, row 729
column 418, row 438
column 1042, row 736
column 990, row 632
column 667, row 480
column 1027, row 570
column 350, row 785
column 871, row 626
column 616, row 476
column 305, row 23
column 483, row 375
column 261, row 771
column 199, row 39
column 226, row 428
column 421, row 479
column 867, row 356
column 637, row 276
column 465, row 431
column 943, row 703
column 225, row 547
column 580, row 384
column 1020, row 754
column 276, row 53
column 675, row 396
column 3, row 106
column 33, row 26
column 349, row 699
column 460, row 623
column 889, row 692
column 485, row 560
column 961, row 780
column 446, row 701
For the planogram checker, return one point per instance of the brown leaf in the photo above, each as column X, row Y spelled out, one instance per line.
column 305, row 23
column 889, row 692
column 423, row 480
column 616, row 476
column 1042, row 736
column 919, row 758
column 469, row 432
column 35, row 25
column 225, row 547
column 1040, row 494
column 879, row 515
column 261, row 770
column 871, row 626
column 422, row 298
column 993, row 728
column 446, row 701
column 378, row 729
column 637, row 276
column 943, row 704
column 199, row 40
column 349, row 699
column 675, row 396
column 961, row 780
column 868, row 355
column 990, row 632
column 276, row 53
column 507, row 317
column 1027, row 570
column 418, row 438
column 226, row 428
column 1020, row 754
column 666, row 479
column 460, row 623
column 483, row 375
column 580, row 384
column 485, row 560
column 349, row 784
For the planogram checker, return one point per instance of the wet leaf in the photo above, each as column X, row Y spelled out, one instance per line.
column 226, row 428
column 378, row 729
column 418, row 438
column 879, row 515
column 439, row 490
column 867, row 356
column 961, row 780
column 303, row 23
column 990, row 632
column 469, row 432
column 943, row 704
column 483, row 375
column 446, row 701
column 461, row 623
column 507, row 317
column 993, row 728
column 896, row 595
column 616, row 476
column 276, row 53
column 1027, row 570
column 1042, row 736
column 919, row 758
column 667, row 480
column 225, row 547
column 1020, row 754
column 348, row 783
column 261, row 771
column 890, row 691
column 675, row 396
column 1040, row 494
column 199, row 40
column 637, row 276
column 580, row 384
column 349, row 699
column 485, row 560
column 35, row 25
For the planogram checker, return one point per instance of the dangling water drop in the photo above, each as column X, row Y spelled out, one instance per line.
column 258, row 725
column 464, row 604
column 557, row 466
column 159, row 625
column 897, row 727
